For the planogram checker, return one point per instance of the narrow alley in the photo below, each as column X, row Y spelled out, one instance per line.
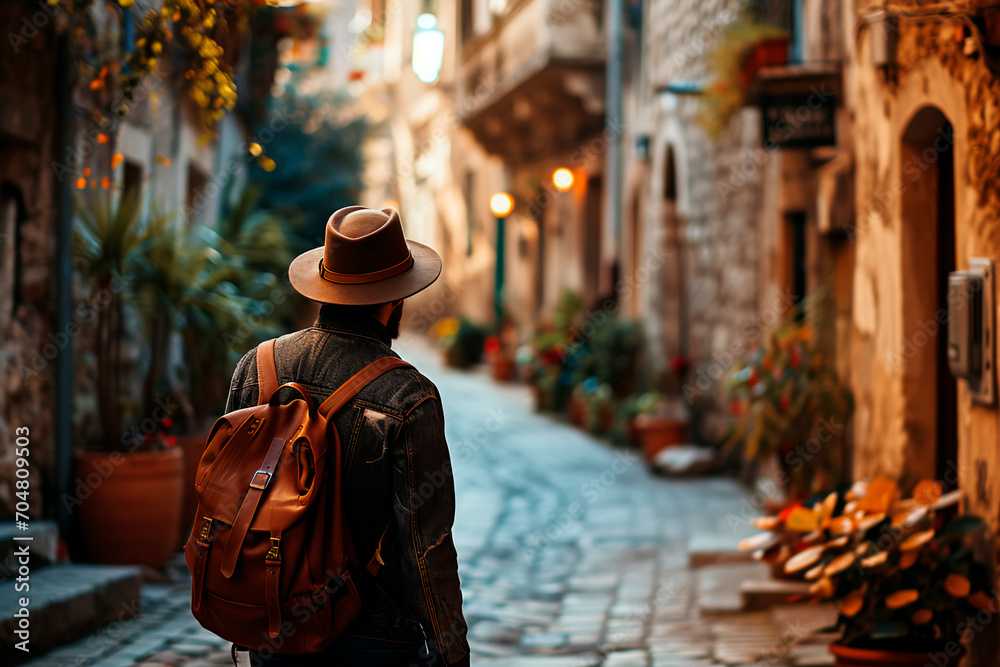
column 571, row 554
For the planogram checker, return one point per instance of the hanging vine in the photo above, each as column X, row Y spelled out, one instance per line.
column 199, row 28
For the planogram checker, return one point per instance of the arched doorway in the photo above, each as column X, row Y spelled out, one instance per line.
column 928, row 255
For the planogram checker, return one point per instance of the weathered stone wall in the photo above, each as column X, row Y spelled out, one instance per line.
column 706, row 294
column 27, row 351
column 933, row 71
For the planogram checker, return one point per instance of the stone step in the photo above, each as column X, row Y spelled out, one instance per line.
column 65, row 603
column 44, row 545
column 718, row 586
column 716, row 549
column 760, row 594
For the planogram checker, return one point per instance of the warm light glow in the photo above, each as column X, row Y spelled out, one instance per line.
column 562, row 178
column 390, row 203
column 501, row 204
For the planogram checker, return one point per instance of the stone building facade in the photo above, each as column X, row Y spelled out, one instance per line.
column 160, row 154
column 27, row 247
column 927, row 200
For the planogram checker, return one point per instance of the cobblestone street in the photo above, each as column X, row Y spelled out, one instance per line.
column 571, row 553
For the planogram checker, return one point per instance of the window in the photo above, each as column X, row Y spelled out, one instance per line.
column 10, row 260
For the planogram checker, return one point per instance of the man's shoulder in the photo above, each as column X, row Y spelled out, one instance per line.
column 406, row 388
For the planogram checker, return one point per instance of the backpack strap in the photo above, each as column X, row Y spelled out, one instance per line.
column 357, row 382
column 241, row 524
column 346, row 392
column 267, row 372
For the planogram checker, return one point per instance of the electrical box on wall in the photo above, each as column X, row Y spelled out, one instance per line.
column 970, row 329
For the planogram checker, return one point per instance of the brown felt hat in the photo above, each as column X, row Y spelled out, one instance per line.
column 365, row 259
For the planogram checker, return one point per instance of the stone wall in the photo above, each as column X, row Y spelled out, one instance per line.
column 705, row 296
column 935, row 70
column 27, row 353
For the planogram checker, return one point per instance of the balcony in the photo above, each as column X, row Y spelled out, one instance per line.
column 533, row 83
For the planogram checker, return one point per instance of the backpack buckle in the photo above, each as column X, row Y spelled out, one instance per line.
column 267, row 480
column 205, row 532
column 274, row 553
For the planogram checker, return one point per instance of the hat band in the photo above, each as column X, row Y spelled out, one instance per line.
column 360, row 278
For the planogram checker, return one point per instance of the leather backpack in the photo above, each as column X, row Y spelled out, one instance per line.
column 270, row 550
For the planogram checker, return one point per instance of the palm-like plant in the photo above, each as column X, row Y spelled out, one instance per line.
column 110, row 237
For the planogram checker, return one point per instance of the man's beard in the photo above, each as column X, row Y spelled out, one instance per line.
column 392, row 325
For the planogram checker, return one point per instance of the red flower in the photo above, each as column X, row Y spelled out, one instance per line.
column 167, row 422
column 491, row 345
column 734, row 408
column 785, row 513
column 680, row 365
column 784, row 402
column 171, row 441
column 766, row 363
column 796, row 357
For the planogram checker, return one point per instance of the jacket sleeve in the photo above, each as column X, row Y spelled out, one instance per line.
column 425, row 512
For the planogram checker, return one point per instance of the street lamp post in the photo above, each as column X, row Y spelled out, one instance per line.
column 501, row 204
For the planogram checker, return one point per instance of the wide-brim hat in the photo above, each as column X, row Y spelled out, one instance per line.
column 365, row 259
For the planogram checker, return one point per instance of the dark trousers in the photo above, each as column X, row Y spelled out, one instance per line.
column 346, row 651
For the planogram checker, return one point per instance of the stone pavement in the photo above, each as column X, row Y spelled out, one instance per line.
column 571, row 554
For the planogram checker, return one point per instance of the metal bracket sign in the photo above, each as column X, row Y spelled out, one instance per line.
column 801, row 120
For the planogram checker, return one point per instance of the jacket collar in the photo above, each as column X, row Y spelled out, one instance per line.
column 368, row 327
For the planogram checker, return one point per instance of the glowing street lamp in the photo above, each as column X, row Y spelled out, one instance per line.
column 563, row 179
column 428, row 48
column 501, row 204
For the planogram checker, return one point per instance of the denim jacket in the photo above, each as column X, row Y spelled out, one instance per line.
column 393, row 452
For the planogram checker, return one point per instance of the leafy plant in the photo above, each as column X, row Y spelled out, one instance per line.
column 789, row 402
column 905, row 579
column 610, row 353
column 724, row 92
column 461, row 340
column 110, row 241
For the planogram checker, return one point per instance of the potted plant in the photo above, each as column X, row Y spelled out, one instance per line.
column 128, row 488
column 221, row 280
column 664, row 419
column 601, row 407
column 461, row 340
column 906, row 580
column 745, row 47
column 789, row 404
column 498, row 349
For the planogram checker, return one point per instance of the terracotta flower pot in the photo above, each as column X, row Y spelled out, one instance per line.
column 768, row 52
column 659, row 433
column 846, row 656
column 193, row 447
column 577, row 411
column 501, row 367
column 133, row 510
